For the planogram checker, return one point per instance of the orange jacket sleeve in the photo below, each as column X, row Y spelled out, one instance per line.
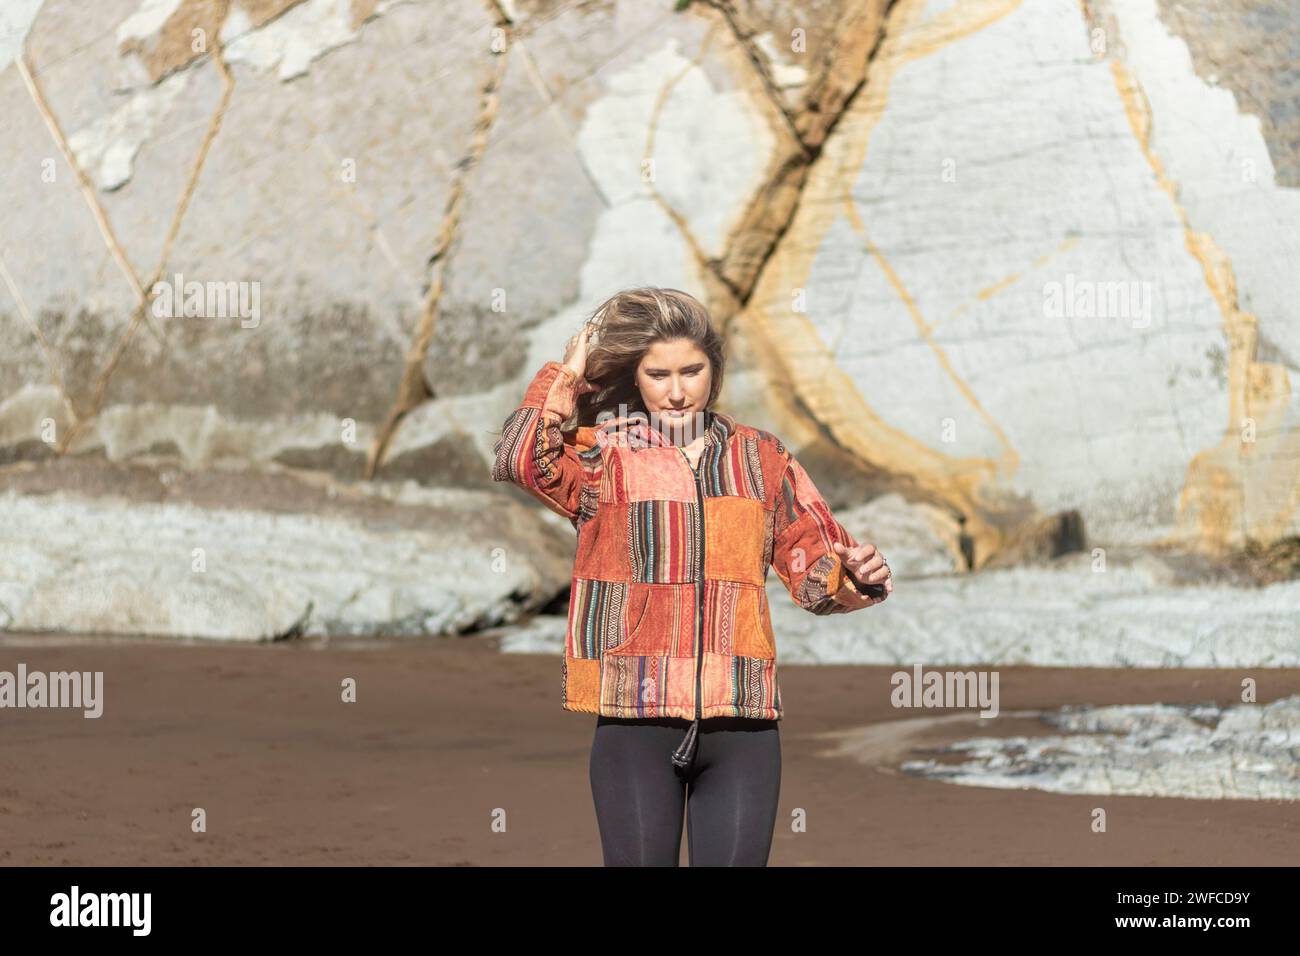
column 802, row 548
column 533, row 454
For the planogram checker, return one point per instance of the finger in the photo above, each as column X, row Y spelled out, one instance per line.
column 853, row 558
column 888, row 575
column 874, row 567
column 845, row 555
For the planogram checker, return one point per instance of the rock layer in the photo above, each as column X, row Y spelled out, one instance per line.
column 979, row 259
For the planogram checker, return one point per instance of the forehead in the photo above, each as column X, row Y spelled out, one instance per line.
column 671, row 354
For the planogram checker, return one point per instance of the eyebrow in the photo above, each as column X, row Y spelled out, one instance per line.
column 688, row 368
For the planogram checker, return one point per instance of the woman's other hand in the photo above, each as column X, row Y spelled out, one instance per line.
column 867, row 566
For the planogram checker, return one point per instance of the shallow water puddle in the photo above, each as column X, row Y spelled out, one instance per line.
column 1196, row 751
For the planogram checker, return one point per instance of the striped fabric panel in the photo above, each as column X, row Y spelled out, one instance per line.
column 720, row 616
column 595, row 616
column 526, row 453
column 661, row 541
column 813, row 589
column 804, row 523
column 755, row 693
column 751, row 468
column 736, row 470
column 529, row 453
column 764, row 435
column 593, row 467
column 635, row 686
column 539, row 469
column 588, row 502
column 712, row 466
column 613, row 488
column 786, row 511
column 795, row 500
column 511, row 447
column 816, row 589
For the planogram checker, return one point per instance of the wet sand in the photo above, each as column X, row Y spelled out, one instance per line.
column 448, row 735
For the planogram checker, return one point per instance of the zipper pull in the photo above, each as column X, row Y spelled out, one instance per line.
column 685, row 752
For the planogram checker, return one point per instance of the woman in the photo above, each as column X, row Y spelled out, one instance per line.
column 680, row 512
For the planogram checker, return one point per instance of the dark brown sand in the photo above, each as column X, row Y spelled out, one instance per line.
column 448, row 735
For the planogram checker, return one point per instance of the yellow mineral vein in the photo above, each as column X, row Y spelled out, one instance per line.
column 806, row 381
column 680, row 221
column 1240, row 489
column 413, row 388
column 989, row 291
column 142, row 289
column 1010, row 460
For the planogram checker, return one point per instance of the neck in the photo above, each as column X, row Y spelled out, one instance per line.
column 684, row 436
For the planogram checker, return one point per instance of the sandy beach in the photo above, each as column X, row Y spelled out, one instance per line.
column 448, row 735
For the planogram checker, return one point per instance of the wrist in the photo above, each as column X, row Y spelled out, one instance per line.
column 849, row 588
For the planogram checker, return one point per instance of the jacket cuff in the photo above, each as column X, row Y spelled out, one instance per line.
column 849, row 587
column 554, row 390
column 837, row 578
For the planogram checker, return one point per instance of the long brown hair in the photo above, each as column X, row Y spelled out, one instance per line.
column 625, row 326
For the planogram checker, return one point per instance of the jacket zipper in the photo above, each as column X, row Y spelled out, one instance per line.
column 699, row 597
column 685, row 753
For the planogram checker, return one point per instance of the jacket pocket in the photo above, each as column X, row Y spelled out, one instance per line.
column 752, row 623
column 658, row 621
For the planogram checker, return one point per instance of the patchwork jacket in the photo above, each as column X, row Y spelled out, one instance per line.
column 668, row 609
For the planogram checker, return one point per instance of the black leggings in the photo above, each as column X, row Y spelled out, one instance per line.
column 730, row 791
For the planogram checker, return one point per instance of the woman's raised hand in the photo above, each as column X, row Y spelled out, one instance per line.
column 575, row 356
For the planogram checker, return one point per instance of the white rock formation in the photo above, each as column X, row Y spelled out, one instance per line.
column 1202, row 752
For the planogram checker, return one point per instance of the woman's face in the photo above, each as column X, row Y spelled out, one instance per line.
column 674, row 379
